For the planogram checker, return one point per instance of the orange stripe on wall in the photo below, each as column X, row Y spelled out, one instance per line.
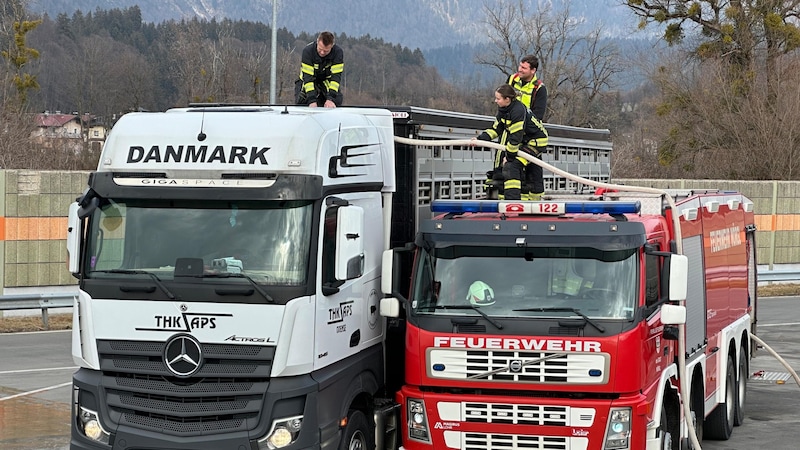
column 788, row 222
column 33, row 228
column 765, row 222
column 778, row 222
column 50, row 228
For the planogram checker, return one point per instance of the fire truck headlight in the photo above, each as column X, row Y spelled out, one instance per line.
column 417, row 421
column 89, row 424
column 618, row 430
column 284, row 432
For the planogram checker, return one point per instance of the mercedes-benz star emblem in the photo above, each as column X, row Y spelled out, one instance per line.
column 183, row 355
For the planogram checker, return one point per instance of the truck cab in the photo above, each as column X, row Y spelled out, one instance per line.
column 539, row 324
column 229, row 264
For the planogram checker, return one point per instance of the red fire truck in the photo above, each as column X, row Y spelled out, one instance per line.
column 538, row 325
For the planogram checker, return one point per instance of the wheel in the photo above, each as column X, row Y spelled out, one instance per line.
column 666, row 435
column 741, row 386
column 696, row 411
column 719, row 424
column 357, row 434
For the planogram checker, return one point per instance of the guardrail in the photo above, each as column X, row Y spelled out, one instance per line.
column 778, row 275
column 38, row 301
column 66, row 300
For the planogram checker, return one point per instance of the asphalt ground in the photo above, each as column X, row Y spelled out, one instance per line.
column 36, row 371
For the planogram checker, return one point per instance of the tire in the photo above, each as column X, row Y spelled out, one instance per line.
column 666, row 435
column 696, row 411
column 741, row 385
column 357, row 434
column 719, row 424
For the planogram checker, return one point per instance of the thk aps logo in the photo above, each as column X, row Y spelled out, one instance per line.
column 183, row 355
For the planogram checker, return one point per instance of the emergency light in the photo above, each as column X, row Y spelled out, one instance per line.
column 526, row 207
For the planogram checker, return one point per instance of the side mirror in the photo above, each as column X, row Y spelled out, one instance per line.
column 349, row 243
column 73, row 238
column 678, row 277
column 390, row 307
column 673, row 314
column 387, row 272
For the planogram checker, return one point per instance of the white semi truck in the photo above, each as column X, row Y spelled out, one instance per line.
column 229, row 265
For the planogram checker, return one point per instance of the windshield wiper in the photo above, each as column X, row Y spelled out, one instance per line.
column 599, row 327
column 497, row 324
column 142, row 272
column 246, row 277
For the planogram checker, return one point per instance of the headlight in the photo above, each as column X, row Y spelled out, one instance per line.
column 283, row 433
column 417, row 421
column 618, row 430
column 89, row 425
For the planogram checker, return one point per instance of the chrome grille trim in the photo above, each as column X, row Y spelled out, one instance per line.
column 495, row 441
column 496, row 366
column 516, row 414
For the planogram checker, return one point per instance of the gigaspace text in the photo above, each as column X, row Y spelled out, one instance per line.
column 550, row 345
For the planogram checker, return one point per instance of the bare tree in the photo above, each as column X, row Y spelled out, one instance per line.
column 15, row 83
column 189, row 62
column 744, row 34
column 135, row 81
column 700, row 126
column 576, row 66
column 254, row 59
column 287, row 71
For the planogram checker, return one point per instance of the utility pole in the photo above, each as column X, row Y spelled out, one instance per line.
column 272, row 69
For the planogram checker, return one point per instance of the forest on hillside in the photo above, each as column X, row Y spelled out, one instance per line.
column 109, row 62
column 720, row 101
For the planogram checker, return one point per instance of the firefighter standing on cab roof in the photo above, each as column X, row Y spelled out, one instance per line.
column 517, row 129
column 533, row 94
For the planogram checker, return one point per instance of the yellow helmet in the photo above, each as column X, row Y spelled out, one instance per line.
column 480, row 294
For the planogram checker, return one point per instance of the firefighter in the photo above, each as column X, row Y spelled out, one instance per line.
column 535, row 144
column 322, row 66
column 533, row 94
column 480, row 294
column 516, row 128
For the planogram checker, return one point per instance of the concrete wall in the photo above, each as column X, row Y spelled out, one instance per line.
column 33, row 226
column 777, row 209
column 33, row 223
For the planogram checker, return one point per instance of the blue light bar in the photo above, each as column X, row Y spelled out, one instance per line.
column 464, row 206
column 538, row 208
column 604, row 207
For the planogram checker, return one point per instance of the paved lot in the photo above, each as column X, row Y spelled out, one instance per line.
column 36, row 370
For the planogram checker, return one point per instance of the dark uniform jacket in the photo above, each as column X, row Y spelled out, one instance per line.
column 532, row 94
column 321, row 75
column 515, row 125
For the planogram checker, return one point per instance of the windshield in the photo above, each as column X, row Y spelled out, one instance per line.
column 265, row 241
column 526, row 282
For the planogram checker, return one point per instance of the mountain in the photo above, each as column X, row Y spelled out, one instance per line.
column 423, row 24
